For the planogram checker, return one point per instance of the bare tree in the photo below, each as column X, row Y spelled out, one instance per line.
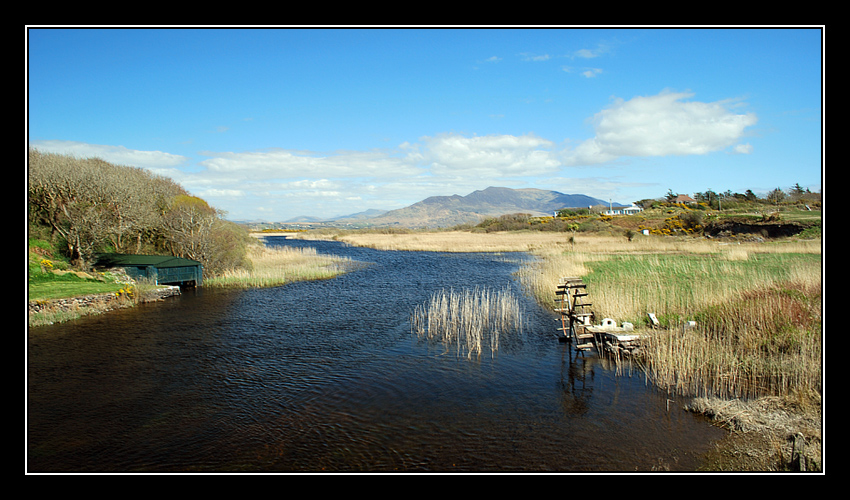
column 94, row 205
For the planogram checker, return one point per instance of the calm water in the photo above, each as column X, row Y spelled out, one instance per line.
column 327, row 376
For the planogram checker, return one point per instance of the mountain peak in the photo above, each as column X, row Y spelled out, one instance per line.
column 441, row 211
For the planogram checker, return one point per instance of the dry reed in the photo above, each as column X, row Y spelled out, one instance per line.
column 446, row 241
column 469, row 320
column 766, row 343
column 274, row 266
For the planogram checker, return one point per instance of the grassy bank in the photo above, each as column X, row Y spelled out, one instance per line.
column 49, row 286
column 50, row 277
column 274, row 266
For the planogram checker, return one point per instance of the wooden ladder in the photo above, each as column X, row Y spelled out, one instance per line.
column 570, row 297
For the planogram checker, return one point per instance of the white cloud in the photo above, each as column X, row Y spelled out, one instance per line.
column 221, row 193
column 119, row 155
column 534, row 57
column 661, row 125
column 592, row 53
column 287, row 164
column 494, row 156
column 585, row 72
column 744, row 149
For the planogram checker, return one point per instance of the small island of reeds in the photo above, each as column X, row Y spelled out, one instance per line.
column 278, row 265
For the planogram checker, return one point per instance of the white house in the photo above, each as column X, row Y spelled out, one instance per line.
column 630, row 210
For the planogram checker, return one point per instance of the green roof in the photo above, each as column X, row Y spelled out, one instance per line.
column 160, row 261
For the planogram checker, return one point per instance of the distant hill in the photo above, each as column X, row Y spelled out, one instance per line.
column 359, row 216
column 442, row 211
column 366, row 214
column 305, row 218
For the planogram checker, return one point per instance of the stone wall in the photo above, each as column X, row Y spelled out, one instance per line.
column 102, row 301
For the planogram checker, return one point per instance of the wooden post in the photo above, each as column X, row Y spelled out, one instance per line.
column 798, row 459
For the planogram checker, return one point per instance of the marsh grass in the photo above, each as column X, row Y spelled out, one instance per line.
column 677, row 286
column 767, row 342
column 469, row 320
column 274, row 266
column 757, row 307
column 672, row 278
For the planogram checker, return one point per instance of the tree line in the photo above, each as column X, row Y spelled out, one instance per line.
column 90, row 206
column 796, row 194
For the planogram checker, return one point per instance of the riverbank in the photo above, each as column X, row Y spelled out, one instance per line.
column 757, row 304
column 49, row 311
column 270, row 266
column 768, row 434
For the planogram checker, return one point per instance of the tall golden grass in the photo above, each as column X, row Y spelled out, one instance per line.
column 274, row 266
column 468, row 320
column 444, row 241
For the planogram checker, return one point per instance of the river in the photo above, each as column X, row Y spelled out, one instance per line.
column 327, row 376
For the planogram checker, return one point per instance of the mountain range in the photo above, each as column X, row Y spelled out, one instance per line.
column 444, row 211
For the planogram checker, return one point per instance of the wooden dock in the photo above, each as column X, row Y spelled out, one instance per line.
column 572, row 300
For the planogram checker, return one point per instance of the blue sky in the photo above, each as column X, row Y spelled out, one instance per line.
column 275, row 123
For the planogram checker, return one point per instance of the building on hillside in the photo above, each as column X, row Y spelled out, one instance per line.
column 629, row 210
column 161, row 269
column 683, row 198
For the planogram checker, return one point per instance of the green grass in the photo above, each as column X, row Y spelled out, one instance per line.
column 681, row 285
column 45, row 288
column 44, row 284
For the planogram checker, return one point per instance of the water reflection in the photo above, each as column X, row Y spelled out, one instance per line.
column 327, row 376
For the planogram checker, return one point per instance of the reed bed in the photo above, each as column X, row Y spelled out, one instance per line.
column 666, row 276
column 469, row 320
column 757, row 307
column 446, row 241
column 274, row 266
column 768, row 342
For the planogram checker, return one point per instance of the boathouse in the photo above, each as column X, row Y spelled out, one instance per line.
column 161, row 269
